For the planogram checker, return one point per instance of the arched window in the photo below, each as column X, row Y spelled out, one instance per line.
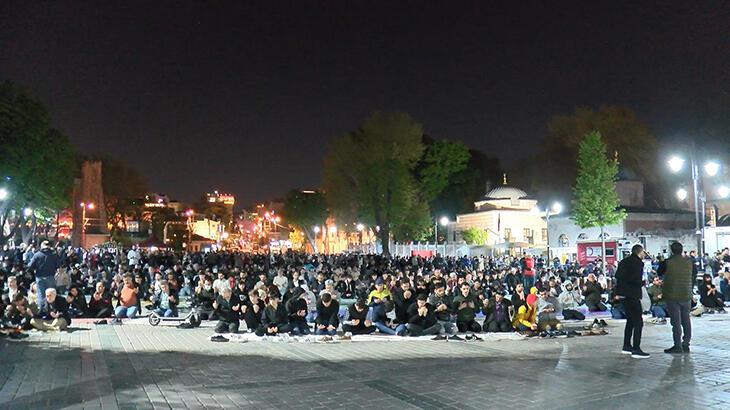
column 605, row 235
column 582, row 236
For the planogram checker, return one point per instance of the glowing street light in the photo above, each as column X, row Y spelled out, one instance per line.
column 333, row 229
column 682, row 194
column 557, row 207
column 360, row 227
column 675, row 163
column 712, row 168
column 27, row 212
column 444, row 220
column 316, row 229
column 723, row 191
column 4, row 194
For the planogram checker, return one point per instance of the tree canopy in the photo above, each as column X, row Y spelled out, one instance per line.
column 596, row 201
column 305, row 210
column 37, row 162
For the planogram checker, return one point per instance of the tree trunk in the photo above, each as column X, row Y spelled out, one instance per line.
column 384, row 236
column 603, row 252
column 312, row 240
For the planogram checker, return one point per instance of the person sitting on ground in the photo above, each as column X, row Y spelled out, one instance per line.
column 570, row 300
column 547, row 311
column 297, row 308
column 403, row 298
column 275, row 319
column 100, row 303
column 253, row 311
column 725, row 285
column 127, row 297
column 497, row 314
column 658, row 307
column 357, row 322
column 379, row 294
column 52, row 315
column 519, row 297
column 77, row 306
column 12, row 289
column 329, row 287
column 327, row 319
column 348, row 290
column 709, row 296
column 592, row 291
column 204, row 297
column 525, row 319
column 379, row 315
column 422, row 320
column 19, row 313
column 228, row 309
column 467, row 305
column 165, row 301
column 443, row 309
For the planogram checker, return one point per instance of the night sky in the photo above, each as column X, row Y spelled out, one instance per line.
column 245, row 98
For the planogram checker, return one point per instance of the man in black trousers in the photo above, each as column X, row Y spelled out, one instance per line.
column 629, row 277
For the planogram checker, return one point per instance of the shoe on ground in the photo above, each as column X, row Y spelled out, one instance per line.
column 674, row 350
column 627, row 350
column 346, row 337
column 476, row 338
column 218, row 338
column 662, row 322
column 440, row 337
column 101, row 322
column 18, row 335
column 603, row 323
column 456, row 337
column 685, row 348
column 639, row 354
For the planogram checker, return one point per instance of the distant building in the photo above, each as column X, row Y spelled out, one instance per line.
column 508, row 215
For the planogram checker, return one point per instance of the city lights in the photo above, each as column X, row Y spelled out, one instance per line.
column 4, row 194
column 444, row 220
column 682, row 194
column 360, row 227
column 27, row 212
column 723, row 191
column 675, row 163
column 712, row 168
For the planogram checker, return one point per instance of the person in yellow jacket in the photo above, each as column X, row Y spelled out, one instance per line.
column 526, row 316
column 380, row 294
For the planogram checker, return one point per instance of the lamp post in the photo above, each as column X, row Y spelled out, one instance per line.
column 711, row 169
column 556, row 209
column 84, row 221
column 444, row 220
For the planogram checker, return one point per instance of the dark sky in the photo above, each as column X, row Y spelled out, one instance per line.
column 245, row 97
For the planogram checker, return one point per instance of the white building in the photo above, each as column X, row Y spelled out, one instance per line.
column 509, row 217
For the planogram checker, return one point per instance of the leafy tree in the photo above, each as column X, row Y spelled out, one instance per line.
column 368, row 173
column 474, row 236
column 37, row 162
column 596, row 201
column 441, row 160
column 551, row 173
column 305, row 210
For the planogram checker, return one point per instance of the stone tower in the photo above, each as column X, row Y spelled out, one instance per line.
column 89, row 189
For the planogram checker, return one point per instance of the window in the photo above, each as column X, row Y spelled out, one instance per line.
column 544, row 235
column 507, row 234
column 582, row 236
column 528, row 235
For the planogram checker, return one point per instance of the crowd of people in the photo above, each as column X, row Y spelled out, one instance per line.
column 47, row 287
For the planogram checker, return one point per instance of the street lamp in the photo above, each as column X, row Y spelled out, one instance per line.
column 444, row 220
column 84, row 206
column 4, row 194
column 682, row 194
column 556, row 208
column 711, row 168
column 723, row 191
column 27, row 212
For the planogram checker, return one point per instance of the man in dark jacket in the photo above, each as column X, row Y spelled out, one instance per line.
column 422, row 320
column 228, row 309
column 53, row 315
column 677, row 294
column 443, row 309
column 100, row 303
column 357, row 321
column 629, row 281
column 403, row 297
column 44, row 264
column 327, row 320
column 275, row 319
column 297, row 308
column 497, row 314
column 253, row 310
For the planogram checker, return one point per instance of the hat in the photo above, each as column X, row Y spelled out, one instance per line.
column 531, row 299
column 329, row 282
column 533, row 291
column 379, row 281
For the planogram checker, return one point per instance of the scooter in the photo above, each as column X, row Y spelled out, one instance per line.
column 191, row 319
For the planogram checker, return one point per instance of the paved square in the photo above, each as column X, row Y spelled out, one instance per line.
column 138, row 366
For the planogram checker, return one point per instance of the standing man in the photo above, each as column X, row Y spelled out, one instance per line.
column 677, row 294
column 44, row 263
column 628, row 289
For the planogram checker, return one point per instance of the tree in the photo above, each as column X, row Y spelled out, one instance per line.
column 441, row 160
column 475, row 236
column 551, row 172
column 596, row 201
column 368, row 173
column 305, row 210
column 37, row 162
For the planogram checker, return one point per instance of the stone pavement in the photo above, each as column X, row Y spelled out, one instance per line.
column 137, row 366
